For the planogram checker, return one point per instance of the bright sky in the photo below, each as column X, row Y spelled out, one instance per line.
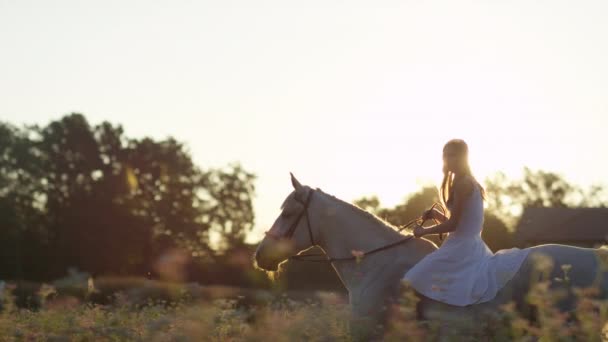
column 357, row 98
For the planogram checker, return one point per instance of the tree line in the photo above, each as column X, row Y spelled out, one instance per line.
column 76, row 195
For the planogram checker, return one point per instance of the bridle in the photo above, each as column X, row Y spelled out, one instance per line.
column 306, row 257
column 294, row 225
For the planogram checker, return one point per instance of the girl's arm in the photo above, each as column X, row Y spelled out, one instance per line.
column 462, row 190
column 439, row 216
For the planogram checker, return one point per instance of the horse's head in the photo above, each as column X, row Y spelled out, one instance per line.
column 291, row 232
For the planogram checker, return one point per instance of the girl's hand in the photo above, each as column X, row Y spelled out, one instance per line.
column 418, row 231
column 428, row 214
column 434, row 214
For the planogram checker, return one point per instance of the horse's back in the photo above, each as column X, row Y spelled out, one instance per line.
column 564, row 267
column 579, row 267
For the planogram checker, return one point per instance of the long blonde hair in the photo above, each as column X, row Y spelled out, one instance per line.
column 446, row 190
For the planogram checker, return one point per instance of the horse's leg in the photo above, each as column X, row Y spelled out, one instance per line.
column 362, row 328
column 368, row 317
column 456, row 323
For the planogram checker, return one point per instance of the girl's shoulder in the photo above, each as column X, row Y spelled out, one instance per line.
column 465, row 183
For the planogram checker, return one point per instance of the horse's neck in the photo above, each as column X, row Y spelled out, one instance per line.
column 343, row 231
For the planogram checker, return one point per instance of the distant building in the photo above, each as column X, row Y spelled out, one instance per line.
column 583, row 227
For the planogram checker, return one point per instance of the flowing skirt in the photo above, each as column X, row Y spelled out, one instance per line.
column 464, row 271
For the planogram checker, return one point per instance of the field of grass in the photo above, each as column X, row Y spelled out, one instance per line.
column 132, row 309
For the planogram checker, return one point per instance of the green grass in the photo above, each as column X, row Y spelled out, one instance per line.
column 141, row 310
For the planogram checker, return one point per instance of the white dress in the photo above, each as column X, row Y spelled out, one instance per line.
column 464, row 270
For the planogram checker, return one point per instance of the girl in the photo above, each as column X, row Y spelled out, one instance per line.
column 463, row 270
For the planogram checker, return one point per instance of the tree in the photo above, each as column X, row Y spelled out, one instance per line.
column 508, row 198
column 495, row 233
column 371, row 204
column 88, row 196
column 412, row 206
column 21, row 219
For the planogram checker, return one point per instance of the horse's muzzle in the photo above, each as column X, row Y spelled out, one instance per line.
column 265, row 264
column 264, row 261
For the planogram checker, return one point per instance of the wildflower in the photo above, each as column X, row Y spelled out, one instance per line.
column 602, row 256
column 565, row 268
column 358, row 255
column 542, row 263
column 91, row 285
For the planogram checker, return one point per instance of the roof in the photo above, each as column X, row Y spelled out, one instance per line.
column 563, row 224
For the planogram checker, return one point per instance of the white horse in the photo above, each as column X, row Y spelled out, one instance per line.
column 344, row 232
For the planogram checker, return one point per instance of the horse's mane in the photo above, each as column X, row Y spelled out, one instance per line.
column 363, row 213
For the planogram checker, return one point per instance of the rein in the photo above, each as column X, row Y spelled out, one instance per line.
column 326, row 258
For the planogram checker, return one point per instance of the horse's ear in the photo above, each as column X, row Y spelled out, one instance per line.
column 295, row 183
